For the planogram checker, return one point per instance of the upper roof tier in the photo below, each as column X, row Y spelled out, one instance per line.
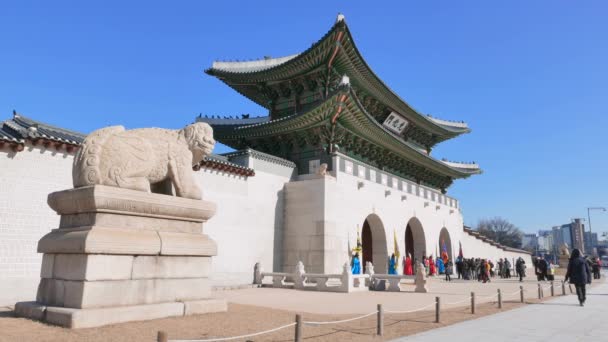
column 355, row 131
column 335, row 53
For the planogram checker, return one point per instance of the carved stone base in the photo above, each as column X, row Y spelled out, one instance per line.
column 121, row 255
column 88, row 318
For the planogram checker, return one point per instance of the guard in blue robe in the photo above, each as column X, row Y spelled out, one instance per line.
column 392, row 265
column 440, row 266
column 355, row 264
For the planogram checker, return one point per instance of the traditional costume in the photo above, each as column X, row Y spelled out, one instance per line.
column 355, row 265
column 407, row 266
column 431, row 266
column 440, row 266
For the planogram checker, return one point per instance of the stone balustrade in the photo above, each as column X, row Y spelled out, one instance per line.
column 339, row 282
column 342, row 282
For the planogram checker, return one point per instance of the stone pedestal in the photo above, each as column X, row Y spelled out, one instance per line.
column 123, row 255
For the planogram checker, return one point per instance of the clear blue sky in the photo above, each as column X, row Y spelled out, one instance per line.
column 530, row 78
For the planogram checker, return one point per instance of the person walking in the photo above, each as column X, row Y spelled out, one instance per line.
column 459, row 266
column 448, row 270
column 579, row 274
column 520, row 266
column 595, row 265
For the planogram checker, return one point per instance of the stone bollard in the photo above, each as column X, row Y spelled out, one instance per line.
column 162, row 336
column 563, row 288
column 521, row 293
column 540, row 295
column 380, row 326
column 499, row 299
column 347, row 278
column 552, row 290
column 298, row 331
column 472, row 303
column 437, row 309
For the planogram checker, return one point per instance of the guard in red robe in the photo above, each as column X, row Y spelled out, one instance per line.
column 407, row 266
column 431, row 266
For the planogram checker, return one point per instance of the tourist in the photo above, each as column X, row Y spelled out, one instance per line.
column 425, row 261
column 392, row 265
column 542, row 268
column 500, row 270
column 459, row 266
column 551, row 272
column 520, row 266
column 579, row 274
column 448, row 270
column 440, row 266
column 507, row 266
column 466, row 269
column 355, row 264
column 488, row 269
column 596, row 268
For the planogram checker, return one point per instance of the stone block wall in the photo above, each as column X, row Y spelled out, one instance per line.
column 26, row 178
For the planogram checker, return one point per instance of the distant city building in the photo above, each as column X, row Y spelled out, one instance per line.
column 591, row 241
column 545, row 241
column 548, row 242
column 576, row 230
column 529, row 242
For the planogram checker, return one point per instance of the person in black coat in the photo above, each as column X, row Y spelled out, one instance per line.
column 579, row 274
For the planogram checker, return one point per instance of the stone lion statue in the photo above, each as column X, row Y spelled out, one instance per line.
column 137, row 158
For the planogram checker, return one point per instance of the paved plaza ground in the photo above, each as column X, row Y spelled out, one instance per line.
column 253, row 310
column 560, row 319
column 456, row 291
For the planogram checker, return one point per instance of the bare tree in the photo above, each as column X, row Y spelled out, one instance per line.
column 501, row 231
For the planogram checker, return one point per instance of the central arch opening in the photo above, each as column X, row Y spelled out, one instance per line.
column 445, row 243
column 373, row 241
column 415, row 241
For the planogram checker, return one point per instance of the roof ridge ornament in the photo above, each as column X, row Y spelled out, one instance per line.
column 340, row 17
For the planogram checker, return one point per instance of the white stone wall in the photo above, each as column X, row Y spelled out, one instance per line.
column 323, row 213
column 267, row 218
column 248, row 221
column 26, row 178
column 246, row 226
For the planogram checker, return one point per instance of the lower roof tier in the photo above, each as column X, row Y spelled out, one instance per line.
column 340, row 123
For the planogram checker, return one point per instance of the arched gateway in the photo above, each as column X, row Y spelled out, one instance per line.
column 415, row 241
column 373, row 239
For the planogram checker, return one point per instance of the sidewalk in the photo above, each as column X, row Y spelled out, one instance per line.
column 561, row 319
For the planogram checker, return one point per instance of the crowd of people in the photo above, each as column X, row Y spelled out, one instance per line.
column 578, row 272
column 482, row 270
column 479, row 269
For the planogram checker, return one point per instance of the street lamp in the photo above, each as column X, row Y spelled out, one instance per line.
column 589, row 220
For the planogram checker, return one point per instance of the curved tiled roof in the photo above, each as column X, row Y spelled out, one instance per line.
column 352, row 63
column 19, row 128
column 354, row 118
column 221, row 163
column 251, row 66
